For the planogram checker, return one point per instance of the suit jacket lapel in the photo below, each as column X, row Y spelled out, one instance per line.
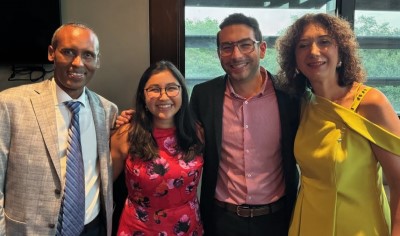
column 218, row 110
column 99, row 118
column 44, row 108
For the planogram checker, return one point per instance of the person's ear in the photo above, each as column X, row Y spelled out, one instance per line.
column 50, row 53
column 98, row 61
column 263, row 49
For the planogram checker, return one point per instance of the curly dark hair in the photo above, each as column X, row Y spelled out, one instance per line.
column 340, row 30
column 240, row 19
column 141, row 141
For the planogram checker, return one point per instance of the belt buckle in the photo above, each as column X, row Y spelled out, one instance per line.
column 238, row 208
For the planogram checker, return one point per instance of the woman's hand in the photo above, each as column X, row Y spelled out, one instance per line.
column 124, row 118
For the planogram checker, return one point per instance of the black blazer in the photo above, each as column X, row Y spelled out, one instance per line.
column 207, row 106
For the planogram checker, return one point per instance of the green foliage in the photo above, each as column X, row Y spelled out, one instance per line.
column 204, row 27
column 368, row 26
column 269, row 62
column 203, row 63
column 381, row 63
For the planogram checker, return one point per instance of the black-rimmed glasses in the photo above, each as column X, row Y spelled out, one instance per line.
column 245, row 46
column 170, row 91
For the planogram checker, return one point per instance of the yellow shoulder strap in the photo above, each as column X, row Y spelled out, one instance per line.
column 359, row 96
column 372, row 132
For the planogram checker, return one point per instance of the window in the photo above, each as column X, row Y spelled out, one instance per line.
column 375, row 24
column 201, row 27
column 377, row 29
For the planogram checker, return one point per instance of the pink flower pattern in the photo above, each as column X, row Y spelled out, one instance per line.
column 162, row 198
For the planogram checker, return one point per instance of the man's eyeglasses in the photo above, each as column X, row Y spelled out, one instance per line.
column 155, row 92
column 245, row 46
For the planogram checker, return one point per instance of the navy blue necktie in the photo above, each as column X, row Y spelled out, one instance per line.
column 71, row 219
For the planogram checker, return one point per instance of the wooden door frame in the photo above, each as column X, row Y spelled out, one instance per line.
column 167, row 32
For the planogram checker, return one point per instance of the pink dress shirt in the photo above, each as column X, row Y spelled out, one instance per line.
column 250, row 170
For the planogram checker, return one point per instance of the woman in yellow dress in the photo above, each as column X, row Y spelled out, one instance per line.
column 348, row 133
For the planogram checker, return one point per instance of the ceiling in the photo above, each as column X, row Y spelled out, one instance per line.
column 390, row 5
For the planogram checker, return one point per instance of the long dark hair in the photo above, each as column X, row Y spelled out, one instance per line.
column 339, row 29
column 141, row 141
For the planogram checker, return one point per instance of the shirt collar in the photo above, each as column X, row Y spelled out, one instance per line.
column 62, row 96
column 264, row 75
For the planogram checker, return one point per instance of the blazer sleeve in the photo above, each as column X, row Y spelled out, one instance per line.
column 5, row 133
column 194, row 103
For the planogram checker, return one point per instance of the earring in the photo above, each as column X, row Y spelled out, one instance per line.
column 296, row 72
column 339, row 64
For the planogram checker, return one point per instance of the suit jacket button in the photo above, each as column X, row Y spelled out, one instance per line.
column 52, row 225
column 57, row 191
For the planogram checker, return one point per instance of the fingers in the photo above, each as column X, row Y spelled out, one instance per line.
column 124, row 118
column 128, row 113
column 121, row 121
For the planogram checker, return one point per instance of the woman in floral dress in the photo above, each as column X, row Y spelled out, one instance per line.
column 160, row 152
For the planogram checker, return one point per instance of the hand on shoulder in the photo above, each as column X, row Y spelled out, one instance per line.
column 124, row 117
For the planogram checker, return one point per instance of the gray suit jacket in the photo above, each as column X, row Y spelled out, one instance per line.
column 30, row 185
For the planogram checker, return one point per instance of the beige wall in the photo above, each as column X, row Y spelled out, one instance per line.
column 123, row 30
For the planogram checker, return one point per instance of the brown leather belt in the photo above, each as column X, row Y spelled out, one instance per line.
column 252, row 210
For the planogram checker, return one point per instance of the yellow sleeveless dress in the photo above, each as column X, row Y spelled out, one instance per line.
column 341, row 190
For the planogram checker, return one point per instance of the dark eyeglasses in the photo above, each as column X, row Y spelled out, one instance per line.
column 245, row 46
column 155, row 92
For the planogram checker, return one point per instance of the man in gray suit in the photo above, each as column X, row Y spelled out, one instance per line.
column 33, row 141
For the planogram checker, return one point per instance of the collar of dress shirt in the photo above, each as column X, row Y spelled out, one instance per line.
column 263, row 86
column 62, row 96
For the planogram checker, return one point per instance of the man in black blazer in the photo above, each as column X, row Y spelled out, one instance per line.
column 250, row 179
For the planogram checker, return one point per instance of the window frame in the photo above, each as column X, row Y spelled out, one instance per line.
column 167, row 30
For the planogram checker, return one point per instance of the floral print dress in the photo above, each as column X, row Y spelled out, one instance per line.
column 162, row 193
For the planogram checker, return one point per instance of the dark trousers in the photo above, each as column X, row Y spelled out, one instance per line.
column 120, row 192
column 95, row 228
column 226, row 223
